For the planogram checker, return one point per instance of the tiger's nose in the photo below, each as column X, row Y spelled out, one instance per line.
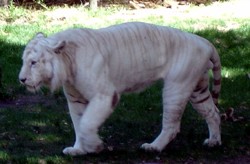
column 22, row 80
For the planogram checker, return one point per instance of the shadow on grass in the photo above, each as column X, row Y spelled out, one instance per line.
column 33, row 133
column 10, row 63
column 39, row 133
column 235, row 92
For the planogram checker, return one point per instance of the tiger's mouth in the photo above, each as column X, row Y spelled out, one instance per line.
column 34, row 88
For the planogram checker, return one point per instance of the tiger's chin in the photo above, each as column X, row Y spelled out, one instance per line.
column 33, row 88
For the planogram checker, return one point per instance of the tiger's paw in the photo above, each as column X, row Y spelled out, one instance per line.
column 94, row 148
column 150, row 147
column 212, row 142
column 73, row 151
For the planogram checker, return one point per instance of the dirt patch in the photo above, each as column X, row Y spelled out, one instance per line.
column 240, row 159
column 24, row 100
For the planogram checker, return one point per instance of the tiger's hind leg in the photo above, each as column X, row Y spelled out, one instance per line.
column 202, row 101
column 175, row 97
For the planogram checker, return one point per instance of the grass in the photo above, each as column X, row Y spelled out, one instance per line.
column 38, row 133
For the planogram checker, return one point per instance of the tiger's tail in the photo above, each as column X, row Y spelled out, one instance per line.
column 216, row 69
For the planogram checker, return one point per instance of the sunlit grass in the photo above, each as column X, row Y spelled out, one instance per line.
column 3, row 156
column 47, row 138
column 38, row 123
column 231, row 73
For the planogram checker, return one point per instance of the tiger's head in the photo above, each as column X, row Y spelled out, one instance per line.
column 39, row 63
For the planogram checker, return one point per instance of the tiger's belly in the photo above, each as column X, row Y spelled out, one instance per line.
column 136, row 81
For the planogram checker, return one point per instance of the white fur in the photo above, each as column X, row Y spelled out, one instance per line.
column 96, row 66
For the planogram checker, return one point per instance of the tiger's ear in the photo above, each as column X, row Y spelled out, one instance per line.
column 59, row 47
column 40, row 35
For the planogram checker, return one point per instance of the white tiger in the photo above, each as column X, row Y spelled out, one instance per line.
column 96, row 66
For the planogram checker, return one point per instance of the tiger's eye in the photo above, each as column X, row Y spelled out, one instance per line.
column 33, row 62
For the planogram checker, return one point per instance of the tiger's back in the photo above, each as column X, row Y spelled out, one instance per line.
column 138, row 53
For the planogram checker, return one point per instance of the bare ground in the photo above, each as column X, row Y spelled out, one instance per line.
column 26, row 100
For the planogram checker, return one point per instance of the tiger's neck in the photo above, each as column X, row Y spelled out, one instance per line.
column 63, row 72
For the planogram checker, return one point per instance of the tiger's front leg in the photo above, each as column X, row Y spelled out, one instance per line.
column 76, row 110
column 77, row 107
column 87, row 139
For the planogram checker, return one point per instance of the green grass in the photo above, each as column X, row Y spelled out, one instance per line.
column 38, row 133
